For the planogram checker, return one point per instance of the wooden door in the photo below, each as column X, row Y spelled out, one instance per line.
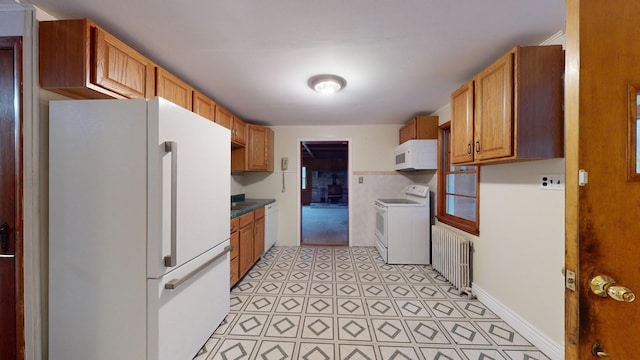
column 493, row 115
column 462, row 124
column 11, row 289
column 602, row 217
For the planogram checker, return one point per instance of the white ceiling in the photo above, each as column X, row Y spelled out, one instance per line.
column 255, row 56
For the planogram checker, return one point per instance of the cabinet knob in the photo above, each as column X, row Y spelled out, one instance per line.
column 477, row 146
column 469, row 148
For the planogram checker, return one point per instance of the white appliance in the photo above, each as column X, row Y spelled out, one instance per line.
column 416, row 155
column 270, row 225
column 403, row 227
column 138, row 230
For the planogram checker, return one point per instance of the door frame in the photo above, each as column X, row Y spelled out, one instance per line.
column 298, row 187
column 16, row 43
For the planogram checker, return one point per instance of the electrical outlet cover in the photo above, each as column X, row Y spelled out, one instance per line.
column 552, row 181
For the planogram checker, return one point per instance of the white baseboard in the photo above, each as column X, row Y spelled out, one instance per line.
column 549, row 347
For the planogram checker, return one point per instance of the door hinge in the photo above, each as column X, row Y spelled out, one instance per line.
column 583, row 177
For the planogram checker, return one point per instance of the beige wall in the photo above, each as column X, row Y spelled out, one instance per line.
column 518, row 257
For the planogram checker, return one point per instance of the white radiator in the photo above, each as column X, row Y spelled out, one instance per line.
column 452, row 257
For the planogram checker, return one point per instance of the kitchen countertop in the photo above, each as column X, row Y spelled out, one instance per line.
column 243, row 206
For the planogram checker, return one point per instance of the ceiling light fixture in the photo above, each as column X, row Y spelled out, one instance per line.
column 327, row 84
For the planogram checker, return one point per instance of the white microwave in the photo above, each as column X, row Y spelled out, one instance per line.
column 416, row 155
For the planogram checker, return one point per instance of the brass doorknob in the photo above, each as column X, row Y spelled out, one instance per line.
column 603, row 285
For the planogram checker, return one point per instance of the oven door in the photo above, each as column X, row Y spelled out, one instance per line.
column 381, row 223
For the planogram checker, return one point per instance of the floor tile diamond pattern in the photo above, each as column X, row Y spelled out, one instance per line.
column 318, row 303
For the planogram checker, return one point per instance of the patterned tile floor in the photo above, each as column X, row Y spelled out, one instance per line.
column 327, row 303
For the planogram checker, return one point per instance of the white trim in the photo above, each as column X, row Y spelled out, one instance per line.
column 558, row 38
column 536, row 337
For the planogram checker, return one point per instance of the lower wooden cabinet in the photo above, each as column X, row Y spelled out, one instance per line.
column 258, row 240
column 234, row 266
column 247, row 240
column 233, row 272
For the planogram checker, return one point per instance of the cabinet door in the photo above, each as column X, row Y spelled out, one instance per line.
column 408, row 131
column 462, row 124
column 258, row 241
column 494, row 110
column 224, row 117
column 246, row 249
column 203, row 106
column 234, row 264
column 257, row 156
column 239, row 132
column 233, row 272
column 173, row 89
column 119, row 68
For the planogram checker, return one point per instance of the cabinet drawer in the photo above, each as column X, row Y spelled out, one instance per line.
column 235, row 225
column 258, row 213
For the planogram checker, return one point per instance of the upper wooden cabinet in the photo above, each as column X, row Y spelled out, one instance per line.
column 420, row 127
column 258, row 237
column 517, row 109
column 203, row 106
column 173, row 89
column 257, row 155
column 237, row 126
column 224, row 117
column 80, row 60
column 239, row 132
column 462, row 124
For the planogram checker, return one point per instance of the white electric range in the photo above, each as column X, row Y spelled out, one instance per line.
column 403, row 227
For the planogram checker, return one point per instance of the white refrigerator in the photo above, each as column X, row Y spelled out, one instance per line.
column 138, row 229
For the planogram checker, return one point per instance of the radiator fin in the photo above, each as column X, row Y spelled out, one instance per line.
column 452, row 257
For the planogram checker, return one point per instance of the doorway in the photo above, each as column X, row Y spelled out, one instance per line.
column 324, row 189
column 11, row 288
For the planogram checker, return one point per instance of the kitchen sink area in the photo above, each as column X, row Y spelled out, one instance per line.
column 243, row 206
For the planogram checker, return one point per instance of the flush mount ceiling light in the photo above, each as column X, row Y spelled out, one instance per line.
column 327, row 84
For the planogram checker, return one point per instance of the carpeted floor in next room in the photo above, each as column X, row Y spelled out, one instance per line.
column 345, row 303
column 325, row 224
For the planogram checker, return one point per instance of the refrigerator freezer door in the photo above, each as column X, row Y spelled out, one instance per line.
column 192, row 216
column 181, row 319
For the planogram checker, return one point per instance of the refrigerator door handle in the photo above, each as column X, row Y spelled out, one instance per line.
column 172, row 147
column 173, row 284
